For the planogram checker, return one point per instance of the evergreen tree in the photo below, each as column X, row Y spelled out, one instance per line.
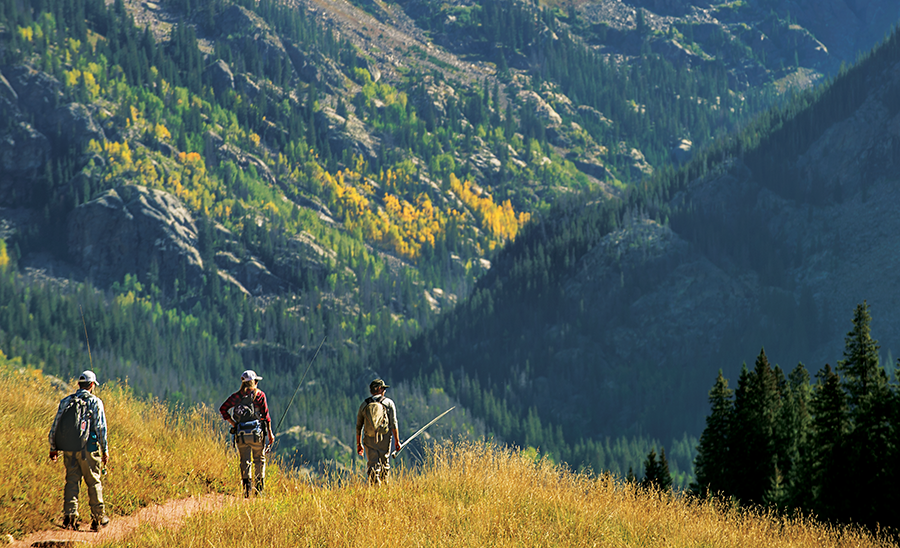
column 711, row 465
column 828, row 445
column 871, row 430
column 656, row 472
column 860, row 367
column 753, row 457
column 791, row 431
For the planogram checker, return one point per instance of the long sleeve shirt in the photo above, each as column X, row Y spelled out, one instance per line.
column 98, row 419
column 259, row 402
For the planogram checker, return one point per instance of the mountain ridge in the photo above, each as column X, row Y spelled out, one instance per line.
column 338, row 195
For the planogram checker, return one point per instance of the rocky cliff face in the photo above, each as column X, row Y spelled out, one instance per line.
column 781, row 37
column 133, row 229
column 34, row 125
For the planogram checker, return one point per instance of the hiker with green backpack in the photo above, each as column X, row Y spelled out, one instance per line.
column 247, row 411
column 79, row 431
column 377, row 421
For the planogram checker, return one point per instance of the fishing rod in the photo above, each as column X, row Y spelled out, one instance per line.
column 86, row 339
column 414, row 436
column 91, row 359
column 300, row 384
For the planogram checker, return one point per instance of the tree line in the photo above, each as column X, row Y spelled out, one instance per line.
column 826, row 445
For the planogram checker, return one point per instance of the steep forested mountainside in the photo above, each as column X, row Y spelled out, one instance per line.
column 616, row 320
column 225, row 185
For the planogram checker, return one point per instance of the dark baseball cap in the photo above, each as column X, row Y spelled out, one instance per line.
column 376, row 384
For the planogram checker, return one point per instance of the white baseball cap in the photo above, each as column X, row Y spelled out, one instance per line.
column 88, row 376
column 250, row 375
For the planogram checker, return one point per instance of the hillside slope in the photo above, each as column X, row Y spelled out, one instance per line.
column 616, row 321
column 223, row 186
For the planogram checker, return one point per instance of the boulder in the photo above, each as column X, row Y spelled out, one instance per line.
column 72, row 124
column 348, row 134
column 543, row 109
column 593, row 168
column 246, row 85
column 38, row 92
column 633, row 163
column 133, row 229
column 220, row 77
column 254, row 276
column 682, row 151
column 676, row 53
column 23, row 152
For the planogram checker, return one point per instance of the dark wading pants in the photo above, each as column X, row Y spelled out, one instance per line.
column 378, row 455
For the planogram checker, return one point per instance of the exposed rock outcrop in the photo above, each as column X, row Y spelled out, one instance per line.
column 543, row 109
column 244, row 28
column 313, row 67
column 348, row 134
column 133, row 229
column 221, row 77
column 23, row 153
column 72, row 124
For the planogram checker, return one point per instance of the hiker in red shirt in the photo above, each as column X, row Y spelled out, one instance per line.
column 248, row 413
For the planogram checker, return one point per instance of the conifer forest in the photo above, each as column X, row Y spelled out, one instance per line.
column 562, row 226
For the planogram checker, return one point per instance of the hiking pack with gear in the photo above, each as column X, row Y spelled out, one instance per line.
column 74, row 429
column 249, row 427
column 376, row 418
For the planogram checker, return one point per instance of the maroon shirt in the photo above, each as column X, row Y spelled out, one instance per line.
column 262, row 408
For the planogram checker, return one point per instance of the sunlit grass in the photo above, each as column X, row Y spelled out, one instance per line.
column 465, row 494
column 155, row 454
column 479, row 495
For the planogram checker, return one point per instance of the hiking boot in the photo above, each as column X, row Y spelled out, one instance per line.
column 70, row 521
column 260, row 483
column 246, row 488
column 96, row 525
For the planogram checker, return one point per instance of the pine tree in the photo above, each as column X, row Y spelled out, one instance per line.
column 791, row 431
column 871, row 435
column 711, row 465
column 827, row 445
column 656, row 472
column 860, row 367
column 753, row 455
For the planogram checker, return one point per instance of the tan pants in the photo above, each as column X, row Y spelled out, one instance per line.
column 87, row 467
column 252, row 452
column 378, row 453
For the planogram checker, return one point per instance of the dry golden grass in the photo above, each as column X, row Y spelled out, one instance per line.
column 478, row 495
column 465, row 495
column 155, row 455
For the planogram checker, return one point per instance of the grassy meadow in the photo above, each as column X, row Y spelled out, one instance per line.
column 479, row 495
column 155, row 454
column 465, row 494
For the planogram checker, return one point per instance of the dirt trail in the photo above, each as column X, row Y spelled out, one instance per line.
column 170, row 514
